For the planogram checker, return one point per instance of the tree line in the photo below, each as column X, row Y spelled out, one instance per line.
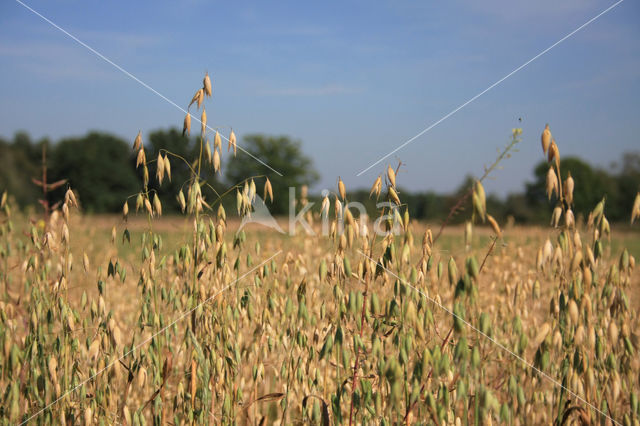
column 100, row 167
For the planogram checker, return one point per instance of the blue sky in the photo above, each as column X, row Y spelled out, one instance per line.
column 352, row 80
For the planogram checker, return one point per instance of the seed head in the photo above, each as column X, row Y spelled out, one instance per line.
column 494, row 225
column 568, row 189
column 186, row 128
column 552, row 183
column 167, row 166
column 203, row 122
column 216, row 160
column 207, row 85
column 268, row 190
column 635, row 211
column 232, row 142
column 545, row 139
column 198, row 98
column 391, row 175
column 342, row 190
column 377, row 187
column 137, row 143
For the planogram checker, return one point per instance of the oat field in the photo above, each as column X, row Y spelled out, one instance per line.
column 147, row 319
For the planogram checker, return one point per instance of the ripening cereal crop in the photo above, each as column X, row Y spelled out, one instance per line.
column 207, row 322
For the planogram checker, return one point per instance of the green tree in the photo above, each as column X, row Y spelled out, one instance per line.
column 19, row 162
column 281, row 154
column 99, row 167
column 591, row 185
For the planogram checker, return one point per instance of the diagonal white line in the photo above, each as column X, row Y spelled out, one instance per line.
column 489, row 88
column 501, row 346
column 133, row 77
column 144, row 342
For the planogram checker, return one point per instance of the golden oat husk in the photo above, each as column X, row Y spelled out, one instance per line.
column 182, row 201
column 125, row 210
column 268, row 190
column 554, row 153
column 216, row 160
column 546, row 139
column 70, row 198
column 198, row 97
column 207, row 153
column 3, row 201
column 569, row 185
column 203, row 122
column 324, row 210
column 635, row 211
column 391, row 175
column 139, row 202
column 552, row 183
column 140, row 158
column 147, row 205
column 206, row 83
column 393, row 196
column 137, row 143
column 569, row 219
column 53, row 368
column 85, row 262
column 232, row 142
column 341, row 189
column 377, row 187
column 113, row 234
column 157, row 206
column 186, row 127
column 167, row 167
column 217, row 141
column 542, row 334
column 494, row 225
column 160, row 168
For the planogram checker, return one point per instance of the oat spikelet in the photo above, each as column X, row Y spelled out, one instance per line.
column 160, row 168
column 546, row 139
column 569, row 184
column 206, row 83
column 391, row 175
column 268, row 190
column 232, row 142
column 203, row 122
column 216, row 160
column 125, row 210
column 554, row 153
column 207, row 153
column 186, row 128
column 217, row 141
column 137, row 144
column 494, row 225
column 198, row 97
column 147, row 206
column 552, row 183
column 393, row 196
column 326, row 204
column 167, row 166
column 342, row 189
column 635, row 211
column 182, row 201
column 377, row 187
column 157, row 206
column 140, row 158
column 85, row 262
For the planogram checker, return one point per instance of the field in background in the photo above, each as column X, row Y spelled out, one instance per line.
column 269, row 321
